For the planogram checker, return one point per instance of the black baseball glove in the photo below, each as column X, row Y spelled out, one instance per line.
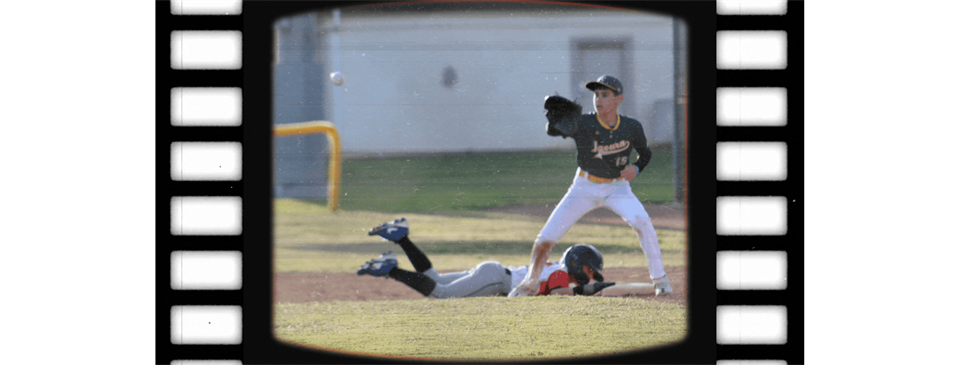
column 563, row 115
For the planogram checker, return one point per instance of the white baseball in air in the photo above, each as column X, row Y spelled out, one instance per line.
column 336, row 78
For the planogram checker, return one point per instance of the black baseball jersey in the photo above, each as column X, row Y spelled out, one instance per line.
column 603, row 151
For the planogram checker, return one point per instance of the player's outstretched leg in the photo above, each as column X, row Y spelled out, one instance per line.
column 488, row 278
column 379, row 266
column 398, row 231
column 418, row 281
column 391, row 231
column 386, row 266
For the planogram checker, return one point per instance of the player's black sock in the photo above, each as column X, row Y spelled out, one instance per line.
column 419, row 282
column 419, row 259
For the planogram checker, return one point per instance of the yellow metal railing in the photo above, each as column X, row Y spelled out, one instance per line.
column 294, row 129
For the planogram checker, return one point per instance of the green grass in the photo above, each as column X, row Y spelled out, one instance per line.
column 308, row 238
column 532, row 328
column 449, row 200
column 476, row 181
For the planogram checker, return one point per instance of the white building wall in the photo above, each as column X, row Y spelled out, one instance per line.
column 394, row 99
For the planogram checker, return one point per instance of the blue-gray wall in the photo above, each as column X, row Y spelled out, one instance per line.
column 453, row 80
column 300, row 162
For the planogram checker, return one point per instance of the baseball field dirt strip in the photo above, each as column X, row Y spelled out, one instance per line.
column 324, row 287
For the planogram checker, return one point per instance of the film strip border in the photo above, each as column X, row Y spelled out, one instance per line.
column 759, row 181
column 200, row 159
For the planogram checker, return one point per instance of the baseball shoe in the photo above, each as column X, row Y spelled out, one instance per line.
column 379, row 266
column 661, row 286
column 391, row 231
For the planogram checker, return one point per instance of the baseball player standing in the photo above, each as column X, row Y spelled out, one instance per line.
column 570, row 276
column 604, row 141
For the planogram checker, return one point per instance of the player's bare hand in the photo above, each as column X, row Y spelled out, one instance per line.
column 629, row 172
column 525, row 289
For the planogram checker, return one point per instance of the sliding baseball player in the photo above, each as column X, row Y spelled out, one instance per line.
column 571, row 276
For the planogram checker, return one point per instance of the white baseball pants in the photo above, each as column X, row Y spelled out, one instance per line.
column 585, row 195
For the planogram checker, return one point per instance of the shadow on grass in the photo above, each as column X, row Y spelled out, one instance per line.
column 317, row 202
column 491, row 250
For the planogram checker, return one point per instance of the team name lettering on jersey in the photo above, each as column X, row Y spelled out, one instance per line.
column 609, row 149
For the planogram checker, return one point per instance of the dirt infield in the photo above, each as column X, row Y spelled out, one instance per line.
column 313, row 287
column 319, row 287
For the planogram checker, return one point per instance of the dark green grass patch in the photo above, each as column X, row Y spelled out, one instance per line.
column 476, row 181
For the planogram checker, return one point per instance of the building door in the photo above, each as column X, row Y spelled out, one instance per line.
column 593, row 58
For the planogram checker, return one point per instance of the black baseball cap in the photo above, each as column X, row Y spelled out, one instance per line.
column 606, row 81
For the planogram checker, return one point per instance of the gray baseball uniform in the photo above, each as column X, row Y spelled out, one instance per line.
column 488, row 278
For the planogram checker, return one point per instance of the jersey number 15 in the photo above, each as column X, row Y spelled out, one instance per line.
column 622, row 161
